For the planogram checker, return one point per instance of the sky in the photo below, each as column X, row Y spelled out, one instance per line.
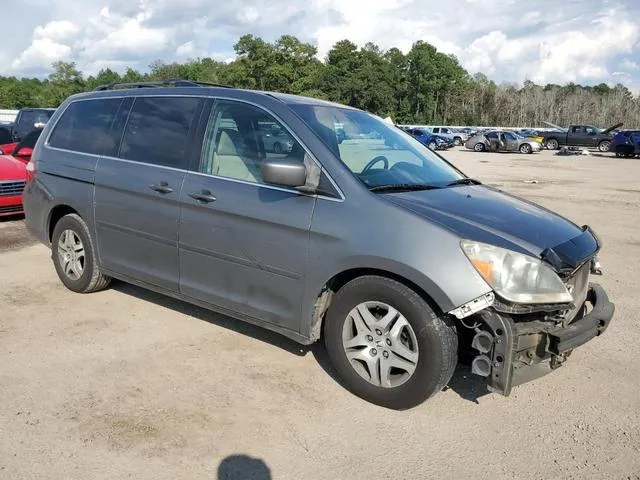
column 546, row 41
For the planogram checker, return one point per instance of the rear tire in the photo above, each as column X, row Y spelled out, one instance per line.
column 479, row 147
column 603, row 146
column 277, row 148
column 74, row 257
column 416, row 337
column 457, row 141
column 552, row 144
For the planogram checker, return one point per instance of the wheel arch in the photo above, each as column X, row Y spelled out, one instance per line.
column 55, row 215
column 324, row 296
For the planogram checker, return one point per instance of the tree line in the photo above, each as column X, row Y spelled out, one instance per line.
column 423, row 86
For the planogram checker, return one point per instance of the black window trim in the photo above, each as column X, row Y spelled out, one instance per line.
column 123, row 105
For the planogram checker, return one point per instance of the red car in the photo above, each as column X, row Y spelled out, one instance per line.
column 13, row 175
column 14, row 158
column 23, row 150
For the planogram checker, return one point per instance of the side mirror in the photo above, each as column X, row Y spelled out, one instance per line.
column 284, row 173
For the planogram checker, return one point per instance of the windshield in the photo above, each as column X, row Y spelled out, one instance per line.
column 379, row 154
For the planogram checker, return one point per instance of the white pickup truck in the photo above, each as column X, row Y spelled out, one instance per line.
column 451, row 134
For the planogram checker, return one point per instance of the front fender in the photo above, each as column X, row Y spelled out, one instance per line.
column 384, row 237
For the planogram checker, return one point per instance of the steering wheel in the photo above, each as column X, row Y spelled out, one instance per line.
column 380, row 158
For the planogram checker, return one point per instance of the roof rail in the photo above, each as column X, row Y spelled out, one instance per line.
column 158, row 84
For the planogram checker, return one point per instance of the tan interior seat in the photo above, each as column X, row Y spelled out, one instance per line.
column 229, row 159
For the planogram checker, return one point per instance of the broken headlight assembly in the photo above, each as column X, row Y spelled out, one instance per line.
column 514, row 276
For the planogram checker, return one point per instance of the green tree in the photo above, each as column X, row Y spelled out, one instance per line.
column 65, row 80
column 423, row 86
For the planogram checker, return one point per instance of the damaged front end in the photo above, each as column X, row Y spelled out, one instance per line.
column 514, row 343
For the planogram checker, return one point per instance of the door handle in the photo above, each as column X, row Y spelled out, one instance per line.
column 203, row 196
column 162, row 187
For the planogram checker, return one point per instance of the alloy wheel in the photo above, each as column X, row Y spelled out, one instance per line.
column 71, row 254
column 380, row 344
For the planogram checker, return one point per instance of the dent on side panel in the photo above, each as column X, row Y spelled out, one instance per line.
column 346, row 235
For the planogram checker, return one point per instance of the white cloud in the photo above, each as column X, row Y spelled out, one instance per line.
column 509, row 40
column 57, row 31
column 186, row 49
column 41, row 54
column 126, row 37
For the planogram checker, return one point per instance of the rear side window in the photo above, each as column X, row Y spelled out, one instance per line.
column 157, row 131
column 85, row 126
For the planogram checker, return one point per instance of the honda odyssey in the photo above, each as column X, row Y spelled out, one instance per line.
column 373, row 243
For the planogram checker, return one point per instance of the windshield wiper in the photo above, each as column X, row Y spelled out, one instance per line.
column 464, row 181
column 403, row 187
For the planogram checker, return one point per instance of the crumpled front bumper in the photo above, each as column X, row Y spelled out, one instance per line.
column 524, row 351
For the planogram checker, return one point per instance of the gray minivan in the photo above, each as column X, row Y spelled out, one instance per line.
column 375, row 244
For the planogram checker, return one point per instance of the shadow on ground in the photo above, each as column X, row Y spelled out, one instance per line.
column 243, row 467
column 464, row 383
column 14, row 234
column 467, row 385
column 214, row 318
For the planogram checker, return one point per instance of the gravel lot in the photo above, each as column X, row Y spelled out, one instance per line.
column 129, row 384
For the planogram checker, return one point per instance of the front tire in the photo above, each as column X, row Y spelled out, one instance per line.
column 432, row 145
column 387, row 344
column 603, row 146
column 457, row 141
column 277, row 148
column 74, row 257
column 479, row 147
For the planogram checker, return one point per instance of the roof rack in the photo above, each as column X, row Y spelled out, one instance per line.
column 158, row 84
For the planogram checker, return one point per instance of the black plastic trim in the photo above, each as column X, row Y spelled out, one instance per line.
column 588, row 327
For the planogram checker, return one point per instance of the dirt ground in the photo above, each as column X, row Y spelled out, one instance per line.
column 127, row 384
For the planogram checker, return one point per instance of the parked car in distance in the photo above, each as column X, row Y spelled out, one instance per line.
column 424, row 136
column 532, row 134
column 5, row 133
column 581, row 136
column 443, row 143
column 13, row 175
column 275, row 139
column 626, row 143
column 29, row 119
column 502, row 141
column 22, row 150
column 457, row 137
column 379, row 247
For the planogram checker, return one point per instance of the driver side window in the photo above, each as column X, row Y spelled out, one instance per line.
column 240, row 138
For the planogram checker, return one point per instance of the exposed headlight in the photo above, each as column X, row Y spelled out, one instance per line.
column 516, row 277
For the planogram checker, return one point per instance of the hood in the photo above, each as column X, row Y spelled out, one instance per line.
column 608, row 130
column 12, row 169
column 485, row 214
